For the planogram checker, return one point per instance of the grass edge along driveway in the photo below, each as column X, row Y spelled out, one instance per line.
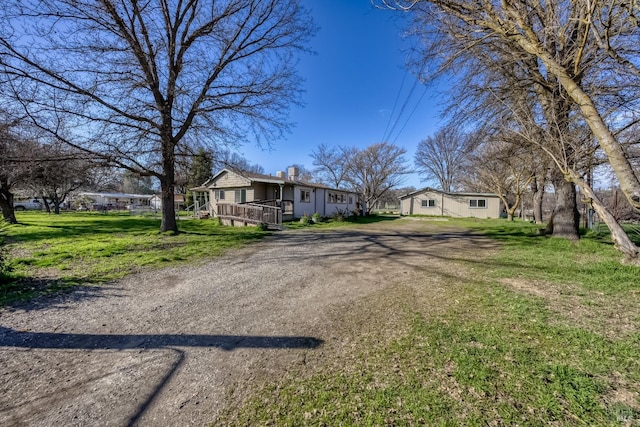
column 541, row 332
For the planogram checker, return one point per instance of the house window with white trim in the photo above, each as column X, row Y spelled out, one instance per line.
column 218, row 194
column 430, row 203
column 337, row 198
column 305, row 196
column 478, row 203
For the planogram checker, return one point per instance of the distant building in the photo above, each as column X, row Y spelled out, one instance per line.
column 118, row 201
column 429, row 201
column 156, row 201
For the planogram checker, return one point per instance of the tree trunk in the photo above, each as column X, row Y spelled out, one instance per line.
column 565, row 215
column 47, row 207
column 168, row 206
column 6, row 204
column 167, row 182
column 619, row 237
column 538, row 196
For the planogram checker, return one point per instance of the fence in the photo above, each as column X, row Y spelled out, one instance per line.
column 250, row 212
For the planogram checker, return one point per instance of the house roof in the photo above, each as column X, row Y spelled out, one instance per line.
column 464, row 193
column 117, row 195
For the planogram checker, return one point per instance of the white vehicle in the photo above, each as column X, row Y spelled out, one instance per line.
column 27, row 205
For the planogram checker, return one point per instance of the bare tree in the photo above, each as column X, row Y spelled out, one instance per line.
column 331, row 164
column 15, row 158
column 441, row 158
column 390, row 200
column 55, row 172
column 559, row 52
column 104, row 180
column 375, row 170
column 136, row 184
column 232, row 160
column 561, row 36
column 505, row 169
column 135, row 82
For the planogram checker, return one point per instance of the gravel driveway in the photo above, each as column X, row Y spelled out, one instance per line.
column 168, row 347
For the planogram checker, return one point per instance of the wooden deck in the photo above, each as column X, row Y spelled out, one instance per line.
column 250, row 213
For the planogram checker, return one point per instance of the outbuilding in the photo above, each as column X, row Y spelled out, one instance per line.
column 429, row 201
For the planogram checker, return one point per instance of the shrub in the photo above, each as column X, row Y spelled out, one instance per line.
column 340, row 215
column 305, row 219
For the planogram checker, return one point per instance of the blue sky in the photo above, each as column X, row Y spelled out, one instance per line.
column 352, row 84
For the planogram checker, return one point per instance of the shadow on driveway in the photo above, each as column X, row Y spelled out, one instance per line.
column 51, row 340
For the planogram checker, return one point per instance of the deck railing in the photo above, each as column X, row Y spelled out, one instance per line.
column 250, row 212
column 285, row 205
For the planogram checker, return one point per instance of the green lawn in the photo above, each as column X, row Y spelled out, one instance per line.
column 541, row 332
column 51, row 252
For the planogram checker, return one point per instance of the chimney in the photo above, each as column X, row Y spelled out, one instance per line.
column 293, row 173
column 281, row 174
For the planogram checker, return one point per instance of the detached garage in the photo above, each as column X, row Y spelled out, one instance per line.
column 429, row 201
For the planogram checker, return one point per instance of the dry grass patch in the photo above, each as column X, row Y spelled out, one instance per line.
column 611, row 316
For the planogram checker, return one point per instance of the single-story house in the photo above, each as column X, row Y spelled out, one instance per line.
column 242, row 198
column 156, row 201
column 120, row 201
column 429, row 201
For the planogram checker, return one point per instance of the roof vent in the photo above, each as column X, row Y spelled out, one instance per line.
column 281, row 174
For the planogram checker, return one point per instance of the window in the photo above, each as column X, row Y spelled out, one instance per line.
column 337, row 198
column 350, row 200
column 240, row 196
column 428, row 203
column 305, row 196
column 218, row 194
column 477, row 203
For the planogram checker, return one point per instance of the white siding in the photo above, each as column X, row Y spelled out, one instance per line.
column 453, row 205
column 300, row 207
column 333, row 205
column 230, row 180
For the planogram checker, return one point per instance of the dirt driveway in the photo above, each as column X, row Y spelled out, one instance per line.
column 173, row 346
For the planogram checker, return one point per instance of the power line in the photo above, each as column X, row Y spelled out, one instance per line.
column 404, row 105
column 393, row 110
column 411, row 114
